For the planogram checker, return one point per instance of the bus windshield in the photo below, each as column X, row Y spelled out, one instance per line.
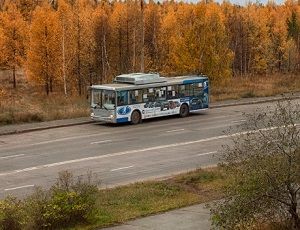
column 103, row 99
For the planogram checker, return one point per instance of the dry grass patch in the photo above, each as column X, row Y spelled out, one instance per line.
column 25, row 105
column 236, row 88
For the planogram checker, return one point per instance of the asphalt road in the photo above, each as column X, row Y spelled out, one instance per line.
column 116, row 154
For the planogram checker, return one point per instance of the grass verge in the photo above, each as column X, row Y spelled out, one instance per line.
column 77, row 203
column 118, row 205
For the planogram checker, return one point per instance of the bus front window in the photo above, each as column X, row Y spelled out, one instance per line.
column 96, row 99
column 103, row 99
column 108, row 99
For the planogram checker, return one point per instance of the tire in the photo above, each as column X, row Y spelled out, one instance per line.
column 135, row 118
column 184, row 110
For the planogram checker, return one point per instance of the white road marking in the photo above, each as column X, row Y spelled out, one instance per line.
column 174, row 130
column 100, row 142
column 132, row 151
column 202, row 154
column 12, row 156
column 122, row 168
column 238, row 121
column 52, row 141
column 110, row 155
column 25, row 186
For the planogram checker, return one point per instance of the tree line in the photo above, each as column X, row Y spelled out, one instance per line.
column 67, row 45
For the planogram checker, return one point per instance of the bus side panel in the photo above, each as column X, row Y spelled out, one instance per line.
column 123, row 114
column 150, row 109
column 160, row 108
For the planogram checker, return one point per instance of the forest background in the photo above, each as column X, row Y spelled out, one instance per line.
column 60, row 47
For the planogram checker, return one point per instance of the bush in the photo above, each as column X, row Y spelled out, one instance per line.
column 12, row 214
column 263, row 162
column 65, row 204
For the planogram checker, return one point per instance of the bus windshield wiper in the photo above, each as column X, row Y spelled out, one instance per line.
column 109, row 106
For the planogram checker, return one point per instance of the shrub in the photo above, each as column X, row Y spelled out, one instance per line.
column 263, row 163
column 65, row 204
column 12, row 215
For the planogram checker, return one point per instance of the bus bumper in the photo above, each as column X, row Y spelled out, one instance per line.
column 100, row 118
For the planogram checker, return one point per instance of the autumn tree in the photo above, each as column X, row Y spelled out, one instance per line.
column 119, row 26
column 14, row 40
column 214, row 57
column 263, row 165
column 182, row 40
column 168, row 33
column 88, row 44
column 97, row 40
column 258, row 37
column 153, row 20
column 236, row 29
column 2, row 2
column 102, row 37
column 248, row 32
column 293, row 30
column 85, row 43
column 42, row 58
column 277, row 35
column 27, row 7
column 67, row 56
column 200, row 43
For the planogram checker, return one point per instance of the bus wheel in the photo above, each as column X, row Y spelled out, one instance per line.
column 184, row 110
column 135, row 118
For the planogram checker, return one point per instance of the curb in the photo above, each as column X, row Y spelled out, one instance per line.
column 248, row 101
column 30, row 127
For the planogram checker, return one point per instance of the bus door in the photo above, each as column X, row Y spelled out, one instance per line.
column 123, row 108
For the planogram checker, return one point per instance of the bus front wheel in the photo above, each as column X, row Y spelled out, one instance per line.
column 135, row 118
column 184, row 111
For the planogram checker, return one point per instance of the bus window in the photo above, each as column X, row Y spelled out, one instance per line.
column 197, row 90
column 148, row 95
column 132, row 97
column 108, row 99
column 122, row 98
column 160, row 94
column 139, row 95
column 151, row 95
column 184, row 91
column 172, row 92
column 96, row 97
column 135, row 96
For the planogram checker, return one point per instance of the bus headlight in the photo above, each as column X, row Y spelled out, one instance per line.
column 92, row 114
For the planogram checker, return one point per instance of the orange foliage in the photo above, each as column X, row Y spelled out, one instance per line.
column 90, row 42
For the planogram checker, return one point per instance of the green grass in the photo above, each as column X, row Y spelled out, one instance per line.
column 120, row 204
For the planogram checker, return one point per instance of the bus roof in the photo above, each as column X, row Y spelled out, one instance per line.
column 140, row 80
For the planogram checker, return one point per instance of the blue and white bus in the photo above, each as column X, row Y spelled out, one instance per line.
column 137, row 96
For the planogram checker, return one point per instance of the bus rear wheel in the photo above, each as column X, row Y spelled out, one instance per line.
column 184, row 111
column 135, row 118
